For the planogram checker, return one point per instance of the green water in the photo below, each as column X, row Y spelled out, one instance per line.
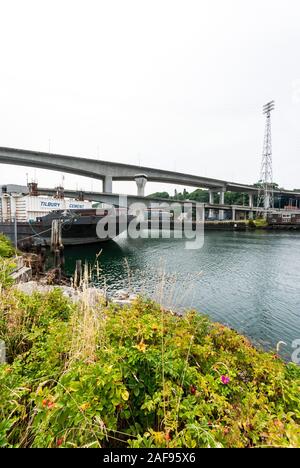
column 247, row 280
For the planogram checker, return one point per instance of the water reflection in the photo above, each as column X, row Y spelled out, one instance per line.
column 250, row 281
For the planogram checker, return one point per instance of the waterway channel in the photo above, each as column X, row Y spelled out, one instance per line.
column 247, row 280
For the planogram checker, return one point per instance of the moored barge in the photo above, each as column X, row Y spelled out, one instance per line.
column 27, row 218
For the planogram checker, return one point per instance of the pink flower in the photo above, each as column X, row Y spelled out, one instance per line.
column 225, row 379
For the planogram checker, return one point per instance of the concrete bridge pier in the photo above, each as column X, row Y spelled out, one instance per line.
column 211, row 195
column 251, row 205
column 141, row 181
column 107, row 184
column 222, row 201
column 233, row 214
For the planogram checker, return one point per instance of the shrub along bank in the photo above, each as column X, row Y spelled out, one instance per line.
column 7, row 265
column 6, row 247
column 136, row 376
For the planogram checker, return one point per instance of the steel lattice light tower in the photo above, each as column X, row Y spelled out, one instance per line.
column 266, row 195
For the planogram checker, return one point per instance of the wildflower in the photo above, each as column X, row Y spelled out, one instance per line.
column 50, row 404
column 59, row 442
column 225, row 379
column 45, row 402
column 193, row 389
column 84, row 406
column 141, row 346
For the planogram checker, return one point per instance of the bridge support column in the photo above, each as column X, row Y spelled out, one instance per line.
column 141, row 181
column 211, row 195
column 250, row 195
column 250, row 214
column 222, row 201
column 233, row 214
column 107, row 184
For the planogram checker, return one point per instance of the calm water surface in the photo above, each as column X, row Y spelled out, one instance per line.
column 249, row 281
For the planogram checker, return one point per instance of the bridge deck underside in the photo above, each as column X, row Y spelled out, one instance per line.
column 100, row 170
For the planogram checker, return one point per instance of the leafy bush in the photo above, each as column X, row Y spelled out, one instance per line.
column 261, row 223
column 148, row 378
column 6, row 247
column 6, row 268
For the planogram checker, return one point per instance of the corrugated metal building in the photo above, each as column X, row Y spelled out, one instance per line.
column 28, row 208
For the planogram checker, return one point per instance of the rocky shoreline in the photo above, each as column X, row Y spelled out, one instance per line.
column 90, row 295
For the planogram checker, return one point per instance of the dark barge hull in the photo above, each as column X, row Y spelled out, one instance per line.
column 79, row 229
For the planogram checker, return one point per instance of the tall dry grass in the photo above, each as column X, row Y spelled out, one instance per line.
column 87, row 322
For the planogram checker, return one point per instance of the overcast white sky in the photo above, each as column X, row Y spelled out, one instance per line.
column 172, row 84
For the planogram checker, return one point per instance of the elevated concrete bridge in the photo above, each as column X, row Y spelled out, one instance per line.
column 123, row 200
column 104, row 170
column 108, row 171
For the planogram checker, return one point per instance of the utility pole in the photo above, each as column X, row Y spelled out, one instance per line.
column 265, row 194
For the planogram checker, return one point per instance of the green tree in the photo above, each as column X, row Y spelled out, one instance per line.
column 159, row 195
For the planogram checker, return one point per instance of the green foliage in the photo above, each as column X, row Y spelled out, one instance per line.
column 260, row 222
column 155, row 380
column 159, row 195
column 236, row 198
column 198, row 195
column 230, row 198
column 6, row 268
column 201, row 196
column 6, row 248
